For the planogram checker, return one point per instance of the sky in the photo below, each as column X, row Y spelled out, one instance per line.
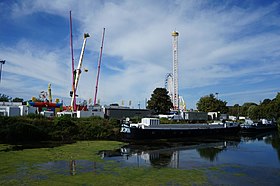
column 229, row 47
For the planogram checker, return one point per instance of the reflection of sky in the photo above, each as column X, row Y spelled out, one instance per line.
column 130, row 160
column 253, row 153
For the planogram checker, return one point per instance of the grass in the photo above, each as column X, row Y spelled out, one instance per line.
column 23, row 168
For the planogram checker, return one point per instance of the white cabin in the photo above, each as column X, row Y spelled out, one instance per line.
column 146, row 122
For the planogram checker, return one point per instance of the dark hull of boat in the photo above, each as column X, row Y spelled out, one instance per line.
column 148, row 134
column 258, row 128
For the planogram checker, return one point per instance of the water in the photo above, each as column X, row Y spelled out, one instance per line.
column 244, row 160
column 238, row 160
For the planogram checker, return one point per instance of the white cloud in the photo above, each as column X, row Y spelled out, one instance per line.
column 216, row 42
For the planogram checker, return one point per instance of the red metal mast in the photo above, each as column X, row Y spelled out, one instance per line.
column 99, row 63
column 72, row 54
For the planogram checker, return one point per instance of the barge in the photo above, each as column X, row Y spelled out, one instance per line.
column 150, row 128
column 255, row 127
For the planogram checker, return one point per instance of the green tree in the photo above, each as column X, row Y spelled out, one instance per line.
column 5, row 98
column 160, row 101
column 276, row 102
column 253, row 112
column 17, row 99
column 234, row 110
column 210, row 104
column 244, row 108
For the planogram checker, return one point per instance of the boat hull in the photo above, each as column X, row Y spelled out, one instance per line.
column 154, row 133
column 258, row 128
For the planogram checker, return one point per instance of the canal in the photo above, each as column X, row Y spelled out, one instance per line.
column 243, row 160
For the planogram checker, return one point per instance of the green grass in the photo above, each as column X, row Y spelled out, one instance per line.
column 22, row 168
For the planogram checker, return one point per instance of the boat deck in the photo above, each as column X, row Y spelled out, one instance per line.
column 185, row 126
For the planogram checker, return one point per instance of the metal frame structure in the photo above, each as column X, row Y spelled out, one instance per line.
column 2, row 62
column 175, row 98
column 78, row 71
column 99, row 63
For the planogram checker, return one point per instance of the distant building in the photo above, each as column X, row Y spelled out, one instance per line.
column 25, row 110
column 195, row 116
column 119, row 112
column 9, row 111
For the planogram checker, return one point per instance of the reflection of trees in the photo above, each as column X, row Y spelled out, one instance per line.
column 209, row 153
column 161, row 159
column 274, row 140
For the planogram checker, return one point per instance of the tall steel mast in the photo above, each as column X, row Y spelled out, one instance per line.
column 99, row 63
column 175, row 98
column 73, row 94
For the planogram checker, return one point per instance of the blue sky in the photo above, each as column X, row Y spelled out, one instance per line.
column 226, row 47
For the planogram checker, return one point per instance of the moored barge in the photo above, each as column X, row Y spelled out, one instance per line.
column 256, row 127
column 150, row 128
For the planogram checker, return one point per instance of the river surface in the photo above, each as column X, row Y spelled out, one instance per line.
column 242, row 160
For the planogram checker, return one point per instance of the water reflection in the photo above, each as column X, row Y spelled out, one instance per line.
column 73, row 167
column 211, row 153
column 199, row 153
column 274, row 140
column 262, row 150
column 167, row 156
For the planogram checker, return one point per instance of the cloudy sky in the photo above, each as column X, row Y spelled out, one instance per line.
column 227, row 47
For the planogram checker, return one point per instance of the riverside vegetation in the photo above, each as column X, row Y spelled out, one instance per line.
column 64, row 129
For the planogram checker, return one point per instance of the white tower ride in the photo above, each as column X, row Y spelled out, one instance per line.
column 175, row 97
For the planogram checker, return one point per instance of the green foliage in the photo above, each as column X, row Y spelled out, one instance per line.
column 17, row 99
column 234, row 110
column 269, row 109
column 160, row 101
column 98, row 128
column 253, row 112
column 65, row 128
column 244, row 108
column 15, row 129
column 211, row 104
column 33, row 116
column 35, row 167
column 5, row 98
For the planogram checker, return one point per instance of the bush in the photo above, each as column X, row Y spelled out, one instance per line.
column 65, row 128
column 20, row 130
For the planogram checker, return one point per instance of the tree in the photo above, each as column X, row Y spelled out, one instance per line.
column 5, row 98
column 244, row 108
column 210, row 104
column 17, row 99
column 253, row 112
column 160, row 101
column 234, row 110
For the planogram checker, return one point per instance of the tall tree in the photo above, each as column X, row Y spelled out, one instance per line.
column 160, row 101
column 253, row 112
column 245, row 107
column 211, row 104
column 234, row 110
